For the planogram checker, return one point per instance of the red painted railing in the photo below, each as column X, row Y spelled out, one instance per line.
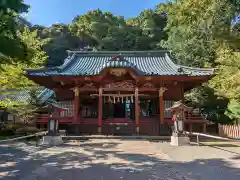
column 43, row 118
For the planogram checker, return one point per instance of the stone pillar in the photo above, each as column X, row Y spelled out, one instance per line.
column 137, row 110
column 100, row 111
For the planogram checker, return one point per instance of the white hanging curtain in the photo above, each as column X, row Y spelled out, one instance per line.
column 69, row 105
column 167, row 104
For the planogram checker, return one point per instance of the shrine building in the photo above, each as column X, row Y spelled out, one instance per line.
column 118, row 92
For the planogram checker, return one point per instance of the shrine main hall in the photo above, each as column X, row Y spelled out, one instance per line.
column 118, row 92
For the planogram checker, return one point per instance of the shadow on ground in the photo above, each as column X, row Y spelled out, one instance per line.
column 103, row 161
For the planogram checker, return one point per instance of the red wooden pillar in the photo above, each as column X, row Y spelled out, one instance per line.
column 190, row 127
column 137, row 110
column 100, row 111
column 204, row 128
column 76, row 106
column 161, row 104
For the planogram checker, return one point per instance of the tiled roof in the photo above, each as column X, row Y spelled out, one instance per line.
column 23, row 96
column 144, row 63
column 15, row 95
column 45, row 95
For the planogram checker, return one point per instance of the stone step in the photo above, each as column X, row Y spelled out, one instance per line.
column 85, row 137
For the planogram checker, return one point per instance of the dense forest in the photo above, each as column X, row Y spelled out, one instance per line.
column 198, row 33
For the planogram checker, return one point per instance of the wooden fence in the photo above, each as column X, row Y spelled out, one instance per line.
column 230, row 131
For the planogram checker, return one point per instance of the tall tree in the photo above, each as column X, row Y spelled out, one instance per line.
column 10, row 43
column 61, row 40
column 200, row 34
column 12, row 76
column 105, row 31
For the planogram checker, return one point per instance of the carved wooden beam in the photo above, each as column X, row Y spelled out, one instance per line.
column 76, row 91
column 162, row 90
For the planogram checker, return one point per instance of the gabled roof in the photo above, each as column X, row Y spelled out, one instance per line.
column 145, row 63
column 179, row 105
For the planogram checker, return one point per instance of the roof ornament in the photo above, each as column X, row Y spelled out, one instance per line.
column 117, row 57
column 88, row 48
column 70, row 53
column 94, row 49
column 180, row 70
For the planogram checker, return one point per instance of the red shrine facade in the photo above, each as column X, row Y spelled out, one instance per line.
column 118, row 92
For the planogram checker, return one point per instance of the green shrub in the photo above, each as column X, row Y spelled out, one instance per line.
column 3, row 137
column 27, row 131
column 7, row 129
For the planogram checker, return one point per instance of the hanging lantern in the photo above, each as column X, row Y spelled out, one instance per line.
column 122, row 100
column 126, row 98
column 118, row 99
column 114, row 100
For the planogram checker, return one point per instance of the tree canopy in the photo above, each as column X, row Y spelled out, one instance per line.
column 201, row 33
column 11, row 45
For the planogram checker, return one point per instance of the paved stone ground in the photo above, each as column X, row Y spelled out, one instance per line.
column 118, row 160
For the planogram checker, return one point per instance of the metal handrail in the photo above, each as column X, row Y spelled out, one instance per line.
column 24, row 137
column 210, row 136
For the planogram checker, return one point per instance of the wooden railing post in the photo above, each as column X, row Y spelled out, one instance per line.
column 190, row 127
column 137, row 111
column 161, row 104
column 100, row 111
column 76, row 105
column 219, row 129
column 204, row 128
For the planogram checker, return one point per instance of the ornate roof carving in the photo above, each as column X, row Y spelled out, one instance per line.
column 124, row 84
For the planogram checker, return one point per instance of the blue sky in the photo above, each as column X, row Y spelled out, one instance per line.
column 47, row 12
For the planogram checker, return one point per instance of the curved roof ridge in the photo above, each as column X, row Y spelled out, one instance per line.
column 197, row 69
column 67, row 62
column 170, row 62
column 211, row 70
column 114, row 52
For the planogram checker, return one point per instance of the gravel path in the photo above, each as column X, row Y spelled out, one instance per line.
column 118, row 160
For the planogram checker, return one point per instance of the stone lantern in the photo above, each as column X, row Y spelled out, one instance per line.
column 52, row 126
column 178, row 110
column 52, row 137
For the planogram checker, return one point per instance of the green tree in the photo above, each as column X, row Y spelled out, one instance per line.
column 211, row 105
column 16, row 6
column 60, row 39
column 12, row 76
column 105, row 31
column 11, row 45
column 200, row 34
